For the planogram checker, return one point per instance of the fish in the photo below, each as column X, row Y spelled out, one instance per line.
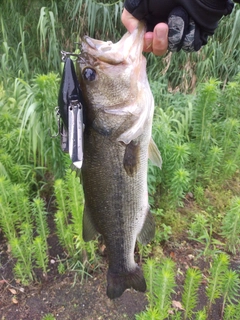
column 119, row 109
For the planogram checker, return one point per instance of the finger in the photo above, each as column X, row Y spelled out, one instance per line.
column 160, row 39
column 129, row 21
column 148, row 42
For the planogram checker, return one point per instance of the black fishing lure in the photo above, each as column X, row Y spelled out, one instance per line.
column 70, row 111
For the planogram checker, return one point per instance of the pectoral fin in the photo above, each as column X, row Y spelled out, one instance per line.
column 89, row 231
column 131, row 158
column 148, row 230
column 154, row 154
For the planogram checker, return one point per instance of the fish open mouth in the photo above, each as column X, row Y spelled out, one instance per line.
column 129, row 47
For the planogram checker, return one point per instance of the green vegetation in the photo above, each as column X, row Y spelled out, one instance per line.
column 198, row 139
column 48, row 316
column 195, row 196
column 68, row 220
column 222, row 283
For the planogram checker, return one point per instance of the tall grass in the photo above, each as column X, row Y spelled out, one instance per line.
column 32, row 37
column 39, row 122
column 219, row 59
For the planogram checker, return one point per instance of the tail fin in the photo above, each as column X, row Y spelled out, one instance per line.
column 118, row 283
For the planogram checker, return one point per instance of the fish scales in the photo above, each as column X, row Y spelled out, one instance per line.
column 116, row 142
column 110, row 191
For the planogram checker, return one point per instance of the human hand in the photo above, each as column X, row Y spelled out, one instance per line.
column 156, row 41
column 190, row 22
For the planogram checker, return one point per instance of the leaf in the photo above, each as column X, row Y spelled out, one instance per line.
column 13, row 291
column 14, row 300
column 177, row 305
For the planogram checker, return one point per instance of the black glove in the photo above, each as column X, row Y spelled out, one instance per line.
column 183, row 32
column 190, row 21
column 190, row 32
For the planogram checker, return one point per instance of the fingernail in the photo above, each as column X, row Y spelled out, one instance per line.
column 162, row 33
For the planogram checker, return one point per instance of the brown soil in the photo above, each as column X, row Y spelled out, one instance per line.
column 65, row 297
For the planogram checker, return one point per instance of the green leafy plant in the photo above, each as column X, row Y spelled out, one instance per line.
column 22, row 250
column 230, row 288
column 6, row 214
column 215, row 280
column 160, row 283
column 203, row 116
column 40, row 254
column 231, row 226
column 48, row 316
column 19, row 218
column 174, row 177
column 201, row 315
column 222, row 283
column 40, row 215
column 179, row 184
column 232, row 312
column 190, row 290
column 213, row 162
column 201, row 230
column 68, row 219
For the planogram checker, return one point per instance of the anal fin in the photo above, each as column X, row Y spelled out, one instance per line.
column 148, row 230
column 118, row 283
column 89, row 231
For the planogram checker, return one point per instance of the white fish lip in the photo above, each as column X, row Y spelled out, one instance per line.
column 126, row 49
column 98, row 44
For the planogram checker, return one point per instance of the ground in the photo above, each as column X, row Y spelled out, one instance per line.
column 66, row 297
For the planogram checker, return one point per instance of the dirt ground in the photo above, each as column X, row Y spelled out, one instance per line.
column 65, row 297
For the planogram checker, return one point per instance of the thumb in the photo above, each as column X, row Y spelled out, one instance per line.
column 129, row 21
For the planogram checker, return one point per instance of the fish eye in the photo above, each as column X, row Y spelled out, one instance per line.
column 89, row 74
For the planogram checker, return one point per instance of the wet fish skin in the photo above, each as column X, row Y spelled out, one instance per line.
column 119, row 111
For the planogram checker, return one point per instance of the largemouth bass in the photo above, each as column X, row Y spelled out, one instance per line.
column 117, row 143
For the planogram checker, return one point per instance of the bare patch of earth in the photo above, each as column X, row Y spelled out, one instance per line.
column 63, row 296
column 66, row 297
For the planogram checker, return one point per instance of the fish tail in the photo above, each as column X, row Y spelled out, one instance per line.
column 118, row 283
